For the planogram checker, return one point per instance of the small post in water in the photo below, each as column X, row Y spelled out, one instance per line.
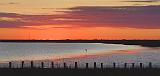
column 86, row 65
column 133, row 65
column 114, row 65
column 141, row 65
column 64, row 65
column 150, row 65
column 125, row 65
column 22, row 64
column 42, row 65
column 76, row 66
column 101, row 65
column 95, row 65
column 31, row 64
column 10, row 64
column 52, row 64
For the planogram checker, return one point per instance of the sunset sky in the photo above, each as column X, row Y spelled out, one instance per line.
column 79, row 19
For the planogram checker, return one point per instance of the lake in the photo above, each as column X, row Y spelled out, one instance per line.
column 79, row 52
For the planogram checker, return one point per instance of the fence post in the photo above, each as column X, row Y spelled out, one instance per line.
column 95, row 65
column 141, row 65
column 22, row 64
column 76, row 66
column 42, row 65
column 150, row 65
column 101, row 65
column 114, row 65
column 10, row 64
column 65, row 66
column 133, row 65
column 31, row 64
column 52, row 64
column 125, row 65
column 86, row 65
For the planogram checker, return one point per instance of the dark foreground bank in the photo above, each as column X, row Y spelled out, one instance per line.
column 146, row 43
column 80, row 72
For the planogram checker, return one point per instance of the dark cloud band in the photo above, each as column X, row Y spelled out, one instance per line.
column 92, row 16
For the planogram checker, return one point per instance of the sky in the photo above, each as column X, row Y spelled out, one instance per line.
column 79, row 19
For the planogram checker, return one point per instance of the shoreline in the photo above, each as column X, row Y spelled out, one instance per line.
column 145, row 43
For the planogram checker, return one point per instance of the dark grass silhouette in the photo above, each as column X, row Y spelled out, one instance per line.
column 95, row 71
column 81, row 72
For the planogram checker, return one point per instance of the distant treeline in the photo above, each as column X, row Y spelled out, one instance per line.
column 147, row 43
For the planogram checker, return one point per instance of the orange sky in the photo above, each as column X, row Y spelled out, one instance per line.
column 79, row 19
column 80, row 33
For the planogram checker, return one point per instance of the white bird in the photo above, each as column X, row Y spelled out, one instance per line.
column 86, row 50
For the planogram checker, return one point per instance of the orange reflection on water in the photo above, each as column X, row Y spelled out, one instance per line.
column 100, row 54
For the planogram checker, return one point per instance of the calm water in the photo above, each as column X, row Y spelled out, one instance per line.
column 71, row 52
